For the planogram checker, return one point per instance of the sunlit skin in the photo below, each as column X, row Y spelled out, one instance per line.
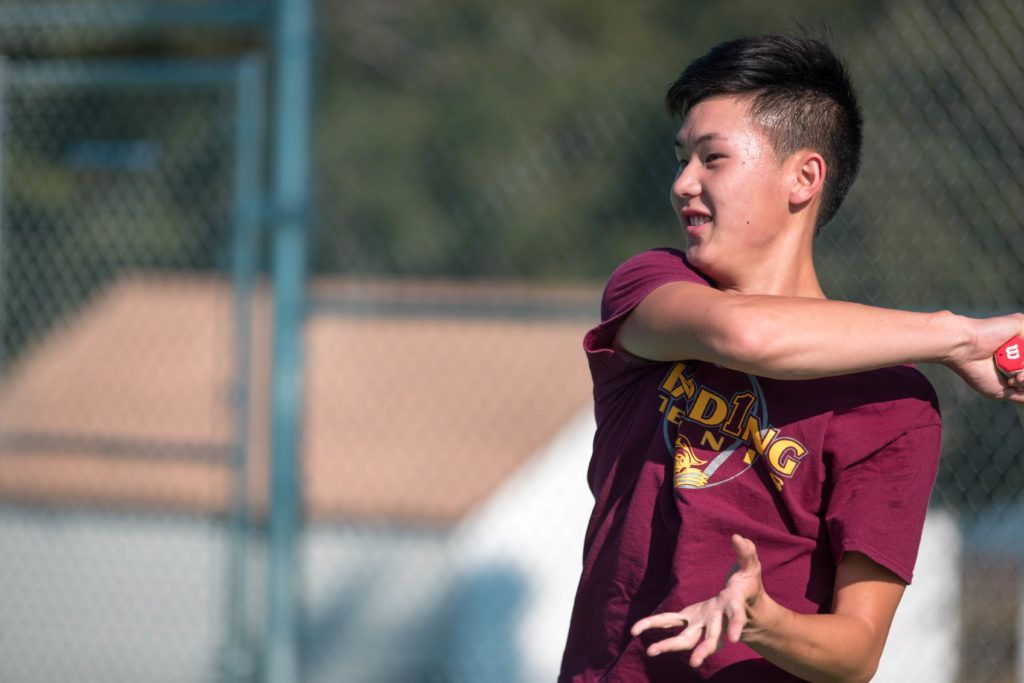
column 762, row 208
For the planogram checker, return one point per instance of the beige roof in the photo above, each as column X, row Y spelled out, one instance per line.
column 416, row 407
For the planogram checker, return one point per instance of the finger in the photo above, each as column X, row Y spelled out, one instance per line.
column 1013, row 396
column 736, row 618
column 1013, row 381
column 677, row 643
column 712, row 634
column 746, row 552
column 662, row 620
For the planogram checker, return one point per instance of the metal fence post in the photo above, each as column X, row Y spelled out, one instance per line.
column 238, row 663
column 293, row 34
column 3, row 250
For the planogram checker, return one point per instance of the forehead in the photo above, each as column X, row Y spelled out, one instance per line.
column 722, row 117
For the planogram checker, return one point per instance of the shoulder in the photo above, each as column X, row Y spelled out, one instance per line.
column 657, row 255
column 641, row 274
column 666, row 259
column 627, row 287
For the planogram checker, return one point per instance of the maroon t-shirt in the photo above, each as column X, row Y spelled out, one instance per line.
column 687, row 453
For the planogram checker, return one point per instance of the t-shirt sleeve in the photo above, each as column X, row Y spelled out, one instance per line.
column 883, row 457
column 628, row 286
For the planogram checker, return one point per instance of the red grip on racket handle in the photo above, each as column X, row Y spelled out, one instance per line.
column 1010, row 356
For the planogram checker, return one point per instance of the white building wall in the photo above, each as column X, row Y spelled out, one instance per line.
column 923, row 641
column 533, row 527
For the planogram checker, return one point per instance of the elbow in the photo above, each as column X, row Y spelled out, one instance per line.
column 751, row 339
column 865, row 675
column 865, row 666
column 856, row 669
column 868, row 670
column 861, row 674
column 751, row 344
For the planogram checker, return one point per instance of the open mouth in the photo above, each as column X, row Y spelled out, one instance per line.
column 697, row 220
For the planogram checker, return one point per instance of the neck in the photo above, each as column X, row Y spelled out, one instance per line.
column 784, row 268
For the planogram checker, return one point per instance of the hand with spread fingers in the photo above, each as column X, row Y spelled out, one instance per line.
column 704, row 622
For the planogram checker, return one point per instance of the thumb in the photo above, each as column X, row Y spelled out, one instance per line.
column 746, row 553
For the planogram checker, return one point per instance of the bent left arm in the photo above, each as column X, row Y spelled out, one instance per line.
column 845, row 645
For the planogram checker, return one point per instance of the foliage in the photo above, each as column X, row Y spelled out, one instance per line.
column 521, row 140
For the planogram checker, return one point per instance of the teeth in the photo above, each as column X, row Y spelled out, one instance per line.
column 698, row 220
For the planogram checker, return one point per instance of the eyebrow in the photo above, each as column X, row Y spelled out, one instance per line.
column 703, row 138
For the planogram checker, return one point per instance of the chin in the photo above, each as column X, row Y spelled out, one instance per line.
column 697, row 256
column 703, row 260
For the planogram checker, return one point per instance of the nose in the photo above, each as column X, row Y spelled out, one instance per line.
column 686, row 184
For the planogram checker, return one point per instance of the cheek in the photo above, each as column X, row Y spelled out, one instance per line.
column 755, row 198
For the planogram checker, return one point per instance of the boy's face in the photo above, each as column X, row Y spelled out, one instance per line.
column 730, row 193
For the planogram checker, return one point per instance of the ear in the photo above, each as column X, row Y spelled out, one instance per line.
column 808, row 176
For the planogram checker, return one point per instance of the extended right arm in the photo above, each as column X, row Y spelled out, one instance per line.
column 803, row 338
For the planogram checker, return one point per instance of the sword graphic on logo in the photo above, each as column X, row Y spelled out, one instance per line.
column 720, row 459
column 687, row 475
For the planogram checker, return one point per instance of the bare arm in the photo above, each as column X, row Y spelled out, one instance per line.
column 801, row 338
column 844, row 646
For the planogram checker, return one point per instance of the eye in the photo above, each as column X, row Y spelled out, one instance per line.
column 709, row 158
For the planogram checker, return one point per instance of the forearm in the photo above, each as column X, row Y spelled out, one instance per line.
column 820, row 648
column 790, row 338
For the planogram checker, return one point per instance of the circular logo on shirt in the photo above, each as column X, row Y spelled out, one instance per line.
column 715, row 423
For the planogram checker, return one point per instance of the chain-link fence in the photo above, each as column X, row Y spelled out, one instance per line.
column 123, row 427
column 480, row 170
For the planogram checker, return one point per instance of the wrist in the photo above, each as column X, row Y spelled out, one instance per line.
column 958, row 335
column 763, row 617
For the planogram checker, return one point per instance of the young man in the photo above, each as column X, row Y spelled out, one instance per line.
column 743, row 418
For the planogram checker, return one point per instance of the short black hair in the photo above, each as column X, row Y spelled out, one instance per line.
column 800, row 93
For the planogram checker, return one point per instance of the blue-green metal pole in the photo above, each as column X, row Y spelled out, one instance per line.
column 3, row 242
column 291, row 177
column 238, row 663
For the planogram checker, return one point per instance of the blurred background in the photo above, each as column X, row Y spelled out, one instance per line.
column 291, row 304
